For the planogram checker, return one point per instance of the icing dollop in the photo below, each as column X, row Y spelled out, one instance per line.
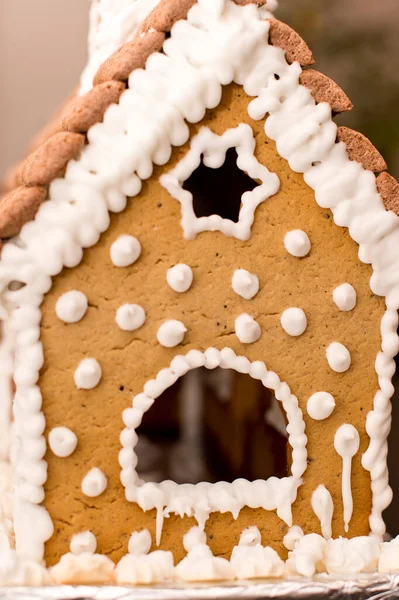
column 83, row 568
column 94, row 483
column 200, row 564
column 292, row 537
column 307, row 557
column 130, row 317
column 180, row 278
column 83, row 542
column 297, row 243
column 323, row 507
column 357, row 555
column 252, row 560
column 125, row 251
column 344, row 297
column 16, row 570
column 293, row 321
column 338, row 357
column 247, row 329
column 62, row 441
column 88, row 374
column 389, row 558
column 320, row 406
column 156, row 567
column 140, row 542
column 245, row 284
column 71, row 307
column 171, row 333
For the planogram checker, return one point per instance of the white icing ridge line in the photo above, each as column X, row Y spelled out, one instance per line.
column 176, row 86
column 203, row 498
column 211, row 149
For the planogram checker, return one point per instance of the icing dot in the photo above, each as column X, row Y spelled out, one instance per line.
column 247, row 329
column 320, row 406
column 130, row 317
column 293, row 321
column 62, row 441
column 245, row 284
column 338, row 357
column 171, row 333
column 71, row 307
column 125, row 251
column 346, row 441
column 83, row 542
column 94, row 483
column 180, row 278
column 140, row 542
column 88, row 374
column 297, row 243
column 344, row 297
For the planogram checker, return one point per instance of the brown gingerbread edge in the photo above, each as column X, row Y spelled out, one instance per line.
column 65, row 136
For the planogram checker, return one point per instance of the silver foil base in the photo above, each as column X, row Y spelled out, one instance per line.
column 361, row 587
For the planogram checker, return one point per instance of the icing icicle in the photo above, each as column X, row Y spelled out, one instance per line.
column 346, row 444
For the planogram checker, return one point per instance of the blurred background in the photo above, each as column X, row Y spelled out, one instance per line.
column 356, row 42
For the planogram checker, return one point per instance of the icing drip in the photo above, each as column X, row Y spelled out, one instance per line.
column 200, row 564
column 293, row 321
column 251, row 560
column 83, row 542
column 71, row 307
column 130, row 317
column 88, row 374
column 62, row 441
column 323, row 507
column 344, row 297
column 297, row 243
column 320, row 406
column 338, row 357
column 245, row 284
column 125, row 251
column 212, row 148
column 86, row 568
column 171, row 333
column 94, row 483
column 180, row 278
column 346, row 444
column 247, row 329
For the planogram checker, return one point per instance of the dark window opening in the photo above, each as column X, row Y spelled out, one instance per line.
column 219, row 191
column 213, row 426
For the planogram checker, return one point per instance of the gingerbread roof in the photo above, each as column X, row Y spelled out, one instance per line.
column 65, row 136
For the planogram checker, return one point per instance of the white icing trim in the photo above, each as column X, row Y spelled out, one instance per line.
column 213, row 148
column 346, row 444
column 180, row 85
column 323, row 507
column 202, row 499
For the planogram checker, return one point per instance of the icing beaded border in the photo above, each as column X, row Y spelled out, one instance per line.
column 203, row 498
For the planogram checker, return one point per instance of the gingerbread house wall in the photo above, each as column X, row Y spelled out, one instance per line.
column 208, row 310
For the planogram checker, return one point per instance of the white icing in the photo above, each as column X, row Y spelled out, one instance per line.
column 200, row 500
column 83, row 542
column 338, row 357
column 130, row 317
column 62, row 441
column 125, row 251
column 357, row 555
column 156, row 567
column 86, row 568
column 94, row 483
column 247, row 329
column 323, row 507
column 251, row 560
column 293, row 321
column 320, row 406
column 297, row 243
column 245, row 284
column 88, row 374
column 180, row 278
column 212, row 148
column 140, row 542
column 178, row 85
column 345, row 297
column 307, row 557
column 389, row 558
column 275, row 418
column 200, row 564
column 292, row 537
column 16, row 570
column 71, row 307
column 171, row 333
column 112, row 23
column 346, row 444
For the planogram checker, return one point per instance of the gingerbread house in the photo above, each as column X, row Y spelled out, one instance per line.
column 198, row 208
